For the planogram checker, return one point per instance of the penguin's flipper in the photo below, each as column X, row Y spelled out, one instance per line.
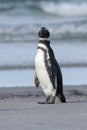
column 36, row 81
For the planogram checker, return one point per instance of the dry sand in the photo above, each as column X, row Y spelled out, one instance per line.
column 19, row 109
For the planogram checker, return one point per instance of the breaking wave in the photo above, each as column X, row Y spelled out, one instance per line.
column 25, row 33
column 56, row 7
column 21, row 19
column 65, row 9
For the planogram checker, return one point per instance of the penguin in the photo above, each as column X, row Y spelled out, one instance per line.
column 48, row 74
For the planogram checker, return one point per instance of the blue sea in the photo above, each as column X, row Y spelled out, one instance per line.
column 20, row 21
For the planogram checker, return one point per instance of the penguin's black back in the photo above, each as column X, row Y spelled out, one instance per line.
column 56, row 72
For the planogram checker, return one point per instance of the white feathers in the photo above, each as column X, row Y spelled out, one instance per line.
column 42, row 73
column 44, row 39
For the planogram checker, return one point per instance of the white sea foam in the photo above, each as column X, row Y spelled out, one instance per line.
column 73, row 29
column 65, row 9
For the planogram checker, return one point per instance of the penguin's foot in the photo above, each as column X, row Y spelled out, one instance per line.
column 52, row 100
column 49, row 100
column 61, row 98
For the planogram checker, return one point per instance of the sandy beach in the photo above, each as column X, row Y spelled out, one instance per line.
column 19, row 109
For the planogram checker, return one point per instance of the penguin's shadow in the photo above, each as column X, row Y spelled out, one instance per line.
column 76, row 96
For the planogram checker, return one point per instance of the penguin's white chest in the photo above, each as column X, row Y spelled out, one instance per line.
column 42, row 72
column 41, row 68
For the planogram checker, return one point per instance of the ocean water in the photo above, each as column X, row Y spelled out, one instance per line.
column 20, row 21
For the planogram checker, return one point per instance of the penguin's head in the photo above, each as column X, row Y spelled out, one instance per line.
column 43, row 33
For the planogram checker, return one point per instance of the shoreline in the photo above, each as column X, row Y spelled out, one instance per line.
column 19, row 109
column 70, row 91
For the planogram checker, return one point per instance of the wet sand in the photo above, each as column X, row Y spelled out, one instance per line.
column 19, row 109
